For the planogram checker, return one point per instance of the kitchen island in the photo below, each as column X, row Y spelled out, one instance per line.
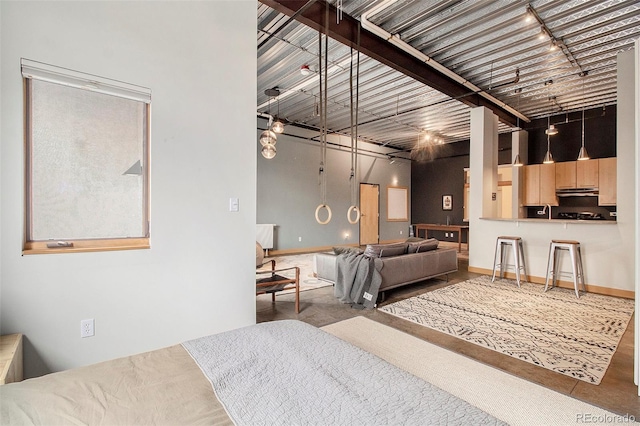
column 605, row 250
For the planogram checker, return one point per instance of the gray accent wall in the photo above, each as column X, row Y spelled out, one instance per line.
column 288, row 190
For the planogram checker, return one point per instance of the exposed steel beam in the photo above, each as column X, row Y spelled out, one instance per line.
column 346, row 32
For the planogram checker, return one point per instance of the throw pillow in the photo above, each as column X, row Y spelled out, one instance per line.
column 340, row 250
column 422, row 246
column 393, row 251
column 373, row 250
column 414, row 240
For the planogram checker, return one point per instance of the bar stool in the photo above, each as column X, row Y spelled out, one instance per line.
column 576, row 264
column 518, row 256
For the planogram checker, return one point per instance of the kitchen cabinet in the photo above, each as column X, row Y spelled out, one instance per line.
column 540, row 185
column 587, row 173
column 566, row 175
column 607, row 181
column 577, row 174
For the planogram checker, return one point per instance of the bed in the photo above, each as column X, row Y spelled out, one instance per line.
column 282, row 372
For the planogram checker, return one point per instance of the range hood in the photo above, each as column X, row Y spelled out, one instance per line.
column 577, row 192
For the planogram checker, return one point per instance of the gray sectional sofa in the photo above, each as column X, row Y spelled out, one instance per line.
column 398, row 269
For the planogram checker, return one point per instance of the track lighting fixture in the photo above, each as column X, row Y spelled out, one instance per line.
column 545, row 33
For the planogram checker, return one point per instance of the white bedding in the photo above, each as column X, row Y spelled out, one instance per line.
column 288, row 372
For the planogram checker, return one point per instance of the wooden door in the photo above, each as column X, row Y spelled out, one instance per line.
column 370, row 209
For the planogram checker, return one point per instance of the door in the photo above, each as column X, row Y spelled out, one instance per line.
column 369, row 207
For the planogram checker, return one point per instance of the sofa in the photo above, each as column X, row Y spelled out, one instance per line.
column 402, row 263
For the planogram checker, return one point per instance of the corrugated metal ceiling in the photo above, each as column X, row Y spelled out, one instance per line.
column 486, row 42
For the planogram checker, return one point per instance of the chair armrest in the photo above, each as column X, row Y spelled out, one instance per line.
column 273, row 271
column 272, row 262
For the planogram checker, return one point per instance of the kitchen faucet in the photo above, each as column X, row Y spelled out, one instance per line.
column 544, row 210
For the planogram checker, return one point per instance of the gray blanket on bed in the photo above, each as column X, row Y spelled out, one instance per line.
column 289, row 372
column 358, row 279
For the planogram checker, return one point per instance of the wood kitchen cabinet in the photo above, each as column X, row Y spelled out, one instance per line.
column 540, row 185
column 566, row 175
column 587, row 173
column 607, row 181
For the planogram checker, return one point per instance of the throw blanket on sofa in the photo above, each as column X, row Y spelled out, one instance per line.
column 358, row 279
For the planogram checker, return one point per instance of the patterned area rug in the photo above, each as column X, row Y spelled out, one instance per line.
column 305, row 263
column 554, row 330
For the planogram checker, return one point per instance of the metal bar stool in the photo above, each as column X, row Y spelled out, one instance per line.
column 518, row 256
column 573, row 247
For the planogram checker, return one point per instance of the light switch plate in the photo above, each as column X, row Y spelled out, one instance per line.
column 234, row 205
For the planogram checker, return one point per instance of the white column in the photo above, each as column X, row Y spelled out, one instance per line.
column 637, row 210
column 628, row 179
column 483, row 162
column 483, row 180
column 519, row 146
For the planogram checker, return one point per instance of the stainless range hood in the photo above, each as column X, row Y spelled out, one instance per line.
column 577, row 192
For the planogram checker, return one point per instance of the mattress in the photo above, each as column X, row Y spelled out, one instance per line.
column 281, row 372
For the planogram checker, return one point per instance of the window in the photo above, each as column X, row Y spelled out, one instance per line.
column 87, row 161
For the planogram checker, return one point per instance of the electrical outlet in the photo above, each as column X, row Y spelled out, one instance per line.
column 299, row 239
column 87, row 328
column 400, row 232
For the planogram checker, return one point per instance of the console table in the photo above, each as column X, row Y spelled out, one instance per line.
column 436, row 227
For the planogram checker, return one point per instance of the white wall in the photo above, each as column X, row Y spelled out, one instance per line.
column 199, row 59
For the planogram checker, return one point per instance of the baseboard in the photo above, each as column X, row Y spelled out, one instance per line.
column 627, row 294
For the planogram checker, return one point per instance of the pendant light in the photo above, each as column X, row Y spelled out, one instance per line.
column 268, row 138
column 277, row 125
column 517, row 162
column 583, row 155
column 551, row 130
column 548, row 159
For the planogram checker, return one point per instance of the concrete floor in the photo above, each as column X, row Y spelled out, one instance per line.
column 616, row 393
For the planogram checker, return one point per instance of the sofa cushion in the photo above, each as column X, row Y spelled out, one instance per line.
column 340, row 250
column 393, row 249
column 422, row 246
column 413, row 240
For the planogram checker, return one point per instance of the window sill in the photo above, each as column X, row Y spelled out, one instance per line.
column 81, row 246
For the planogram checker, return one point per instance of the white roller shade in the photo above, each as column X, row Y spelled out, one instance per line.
column 52, row 74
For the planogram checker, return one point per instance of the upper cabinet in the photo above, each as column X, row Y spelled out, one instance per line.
column 577, row 174
column 540, row 185
column 587, row 173
column 607, row 176
column 566, row 175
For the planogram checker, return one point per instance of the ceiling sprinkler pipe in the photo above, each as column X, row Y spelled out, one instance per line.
column 398, row 42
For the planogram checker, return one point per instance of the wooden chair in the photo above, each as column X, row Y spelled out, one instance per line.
column 274, row 282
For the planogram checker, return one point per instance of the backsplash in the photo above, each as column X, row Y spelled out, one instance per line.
column 574, row 205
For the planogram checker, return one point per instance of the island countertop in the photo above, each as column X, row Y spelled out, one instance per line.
column 554, row 221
